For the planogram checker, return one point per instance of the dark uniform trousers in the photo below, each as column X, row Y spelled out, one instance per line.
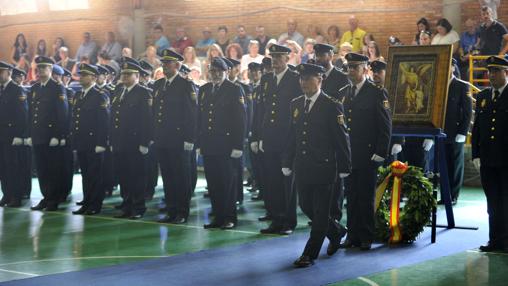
column 489, row 142
column 279, row 194
column 193, row 170
column 369, row 123
column 175, row 116
column 459, row 110
column 67, row 159
column 131, row 113
column 221, row 128
column 257, row 158
column 152, row 173
column 319, row 144
column 13, row 122
column 25, row 175
column 90, row 129
column 49, row 119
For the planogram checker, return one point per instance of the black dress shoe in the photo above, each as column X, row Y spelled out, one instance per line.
column 365, row 246
column 136, row 216
column 228, row 225
column 212, row 225
column 179, row 220
column 490, row 247
column 271, row 230
column 206, row 195
column 286, row 231
column 39, row 207
column 303, row 261
column 265, row 218
column 81, row 211
column 3, row 202
column 348, row 244
column 332, row 248
column 119, row 207
column 122, row 215
column 80, row 203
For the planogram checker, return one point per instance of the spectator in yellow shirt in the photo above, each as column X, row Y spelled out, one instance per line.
column 354, row 36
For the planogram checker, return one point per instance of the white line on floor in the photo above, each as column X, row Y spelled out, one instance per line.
column 368, row 281
column 488, row 253
column 17, row 272
column 83, row 258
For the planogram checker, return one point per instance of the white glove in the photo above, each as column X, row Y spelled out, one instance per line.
column 235, row 154
column 261, row 146
column 53, row 142
column 28, row 142
column 377, row 158
column 99, row 149
column 111, row 149
column 476, row 163
column 343, row 175
column 16, row 141
column 427, row 144
column 62, row 142
column 286, row 171
column 198, row 152
column 143, row 149
column 188, row 146
column 254, row 146
column 396, row 149
column 460, row 138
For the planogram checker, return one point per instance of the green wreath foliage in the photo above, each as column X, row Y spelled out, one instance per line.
column 416, row 205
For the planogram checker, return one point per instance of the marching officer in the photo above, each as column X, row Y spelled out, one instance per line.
column 221, row 133
column 279, row 89
column 489, row 151
column 47, row 131
column 89, row 133
column 318, row 149
column 13, row 127
column 369, row 124
column 131, row 133
column 333, row 80
column 459, row 109
column 175, row 121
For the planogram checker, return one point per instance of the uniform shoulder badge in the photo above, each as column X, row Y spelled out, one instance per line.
column 62, row 97
column 386, row 104
column 242, row 100
column 150, row 101
column 340, row 120
column 295, row 113
column 22, row 97
column 194, row 97
column 483, row 103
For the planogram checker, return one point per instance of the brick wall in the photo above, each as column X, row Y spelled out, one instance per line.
column 471, row 9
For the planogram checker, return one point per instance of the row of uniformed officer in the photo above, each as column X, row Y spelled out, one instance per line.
column 318, row 152
column 175, row 121
column 221, row 133
column 13, row 127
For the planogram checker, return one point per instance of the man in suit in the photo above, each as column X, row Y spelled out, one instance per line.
column 333, row 81
column 221, row 133
column 13, row 127
column 489, row 151
column 318, row 149
column 48, row 131
column 175, row 120
column 89, row 133
column 131, row 133
column 459, row 109
column 369, row 124
column 279, row 89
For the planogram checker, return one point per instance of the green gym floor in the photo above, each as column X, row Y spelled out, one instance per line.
column 35, row 243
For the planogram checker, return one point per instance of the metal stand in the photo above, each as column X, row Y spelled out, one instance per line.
column 439, row 176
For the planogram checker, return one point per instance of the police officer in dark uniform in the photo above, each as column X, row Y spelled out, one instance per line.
column 318, row 149
column 24, row 151
column 255, row 72
column 279, row 89
column 459, row 110
column 131, row 133
column 221, row 133
column 369, row 124
column 267, row 65
column 89, row 133
column 234, row 73
column 110, row 79
column 175, row 121
column 489, row 151
column 101, row 82
column 47, row 129
column 13, row 127
column 333, row 80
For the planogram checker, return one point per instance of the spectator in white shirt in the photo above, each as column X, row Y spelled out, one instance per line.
column 252, row 56
column 446, row 35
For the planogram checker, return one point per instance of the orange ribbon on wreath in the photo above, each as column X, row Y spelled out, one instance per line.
column 397, row 171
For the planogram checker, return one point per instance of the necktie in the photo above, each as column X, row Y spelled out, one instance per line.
column 496, row 94
column 353, row 91
column 306, row 108
column 123, row 93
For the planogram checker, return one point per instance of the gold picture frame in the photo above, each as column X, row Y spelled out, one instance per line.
column 417, row 84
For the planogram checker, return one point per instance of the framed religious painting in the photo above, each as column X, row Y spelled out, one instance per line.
column 417, row 82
